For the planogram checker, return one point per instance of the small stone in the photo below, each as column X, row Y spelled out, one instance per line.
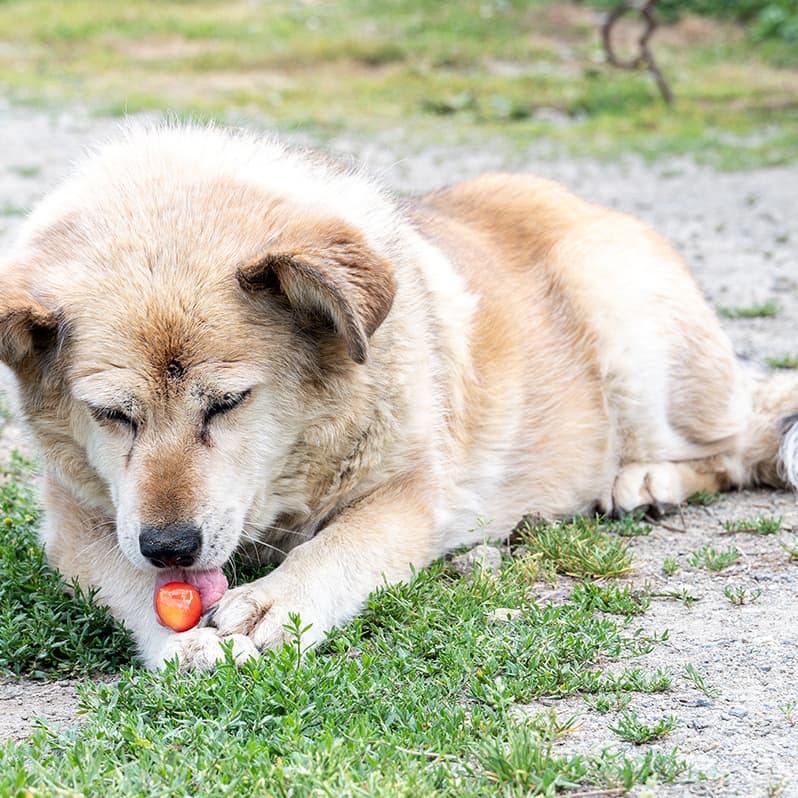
column 738, row 712
column 703, row 702
column 481, row 558
column 503, row 615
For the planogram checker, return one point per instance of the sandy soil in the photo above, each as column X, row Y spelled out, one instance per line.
column 739, row 233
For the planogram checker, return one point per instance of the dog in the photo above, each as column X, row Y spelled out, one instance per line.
column 221, row 343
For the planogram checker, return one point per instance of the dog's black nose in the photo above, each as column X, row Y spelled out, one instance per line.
column 170, row 546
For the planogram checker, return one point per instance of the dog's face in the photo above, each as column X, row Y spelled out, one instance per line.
column 174, row 336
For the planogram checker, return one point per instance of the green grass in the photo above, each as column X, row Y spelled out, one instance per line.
column 517, row 70
column 608, row 702
column 417, row 697
column 791, row 547
column 703, row 498
column 692, row 675
column 27, row 170
column 783, row 362
column 12, row 210
column 762, row 311
column 669, row 566
column 47, row 627
column 739, row 594
column 709, row 558
column 630, row 729
column 579, row 548
column 763, row 525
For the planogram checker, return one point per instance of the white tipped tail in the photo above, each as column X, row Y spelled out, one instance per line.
column 788, row 451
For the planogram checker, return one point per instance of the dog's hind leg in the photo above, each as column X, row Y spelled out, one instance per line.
column 663, row 486
column 764, row 453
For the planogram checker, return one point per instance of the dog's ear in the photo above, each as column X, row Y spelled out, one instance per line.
column 26, row 327
column 332, row 273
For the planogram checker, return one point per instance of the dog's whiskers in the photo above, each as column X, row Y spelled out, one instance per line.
column 282, row 531
column 248, row 537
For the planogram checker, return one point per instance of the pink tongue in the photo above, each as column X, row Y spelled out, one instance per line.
column 211, row 584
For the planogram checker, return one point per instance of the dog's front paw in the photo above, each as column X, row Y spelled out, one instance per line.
column 204, row 649
column 262, row 611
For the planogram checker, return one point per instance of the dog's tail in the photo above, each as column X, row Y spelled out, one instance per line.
column 769, row 453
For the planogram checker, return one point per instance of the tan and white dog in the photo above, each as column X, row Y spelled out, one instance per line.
column 222, row 343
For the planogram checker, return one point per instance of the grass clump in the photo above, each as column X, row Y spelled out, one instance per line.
column 692, row 675
column 612, row 598
column 580, row 548
column 47, row 627
column 739, row 595
column 758, row 526
column 669, row 566
column 630, row 729
column 708, row 558
column 791, row 547
column 783, row 362
column 608, row 702
column 703, row 498
column 762, row 311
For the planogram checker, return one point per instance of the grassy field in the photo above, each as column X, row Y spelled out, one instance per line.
column 422, row 696
column 517, row 70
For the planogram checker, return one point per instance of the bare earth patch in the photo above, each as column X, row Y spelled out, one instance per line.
column 738, row 232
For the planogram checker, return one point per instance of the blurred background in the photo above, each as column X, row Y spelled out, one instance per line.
column 508, row 71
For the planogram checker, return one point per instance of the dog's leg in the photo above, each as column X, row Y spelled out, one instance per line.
column 326, row 581
column 662, row 486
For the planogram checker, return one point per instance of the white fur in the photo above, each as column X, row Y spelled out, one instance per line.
column 788, row 454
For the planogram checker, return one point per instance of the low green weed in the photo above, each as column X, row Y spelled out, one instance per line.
column 765, row 310
column 612, row 598
column 669, row 566
column 791, row 547
column 692, row 675
column 760, row 526
column 788, row 710
column 632, row 730
column 703, row 498
column 739, row 595
column 581, row 548
column 783, row 362
column 608, row 702
column 710, row 559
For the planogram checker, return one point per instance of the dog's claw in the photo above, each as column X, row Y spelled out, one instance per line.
column 207, row 617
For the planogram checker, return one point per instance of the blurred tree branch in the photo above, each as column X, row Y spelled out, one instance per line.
column 644, row 57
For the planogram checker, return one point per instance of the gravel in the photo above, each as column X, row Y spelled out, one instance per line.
column 739, row 233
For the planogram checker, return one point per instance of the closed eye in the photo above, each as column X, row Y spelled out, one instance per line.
column 225, row 403
column 113, row 415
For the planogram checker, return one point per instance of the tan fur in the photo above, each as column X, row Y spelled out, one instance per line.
column 413, row 377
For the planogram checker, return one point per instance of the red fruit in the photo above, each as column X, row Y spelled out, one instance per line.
column 178, row 606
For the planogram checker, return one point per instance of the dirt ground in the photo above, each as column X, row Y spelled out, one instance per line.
column 739, row 233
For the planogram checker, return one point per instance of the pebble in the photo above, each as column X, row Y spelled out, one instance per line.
column 738, row 712
column 503, row 615
column 487, row 559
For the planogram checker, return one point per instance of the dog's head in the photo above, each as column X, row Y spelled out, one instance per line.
column 177, row 315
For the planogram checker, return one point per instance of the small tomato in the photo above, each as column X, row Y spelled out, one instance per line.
column 178, row 606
